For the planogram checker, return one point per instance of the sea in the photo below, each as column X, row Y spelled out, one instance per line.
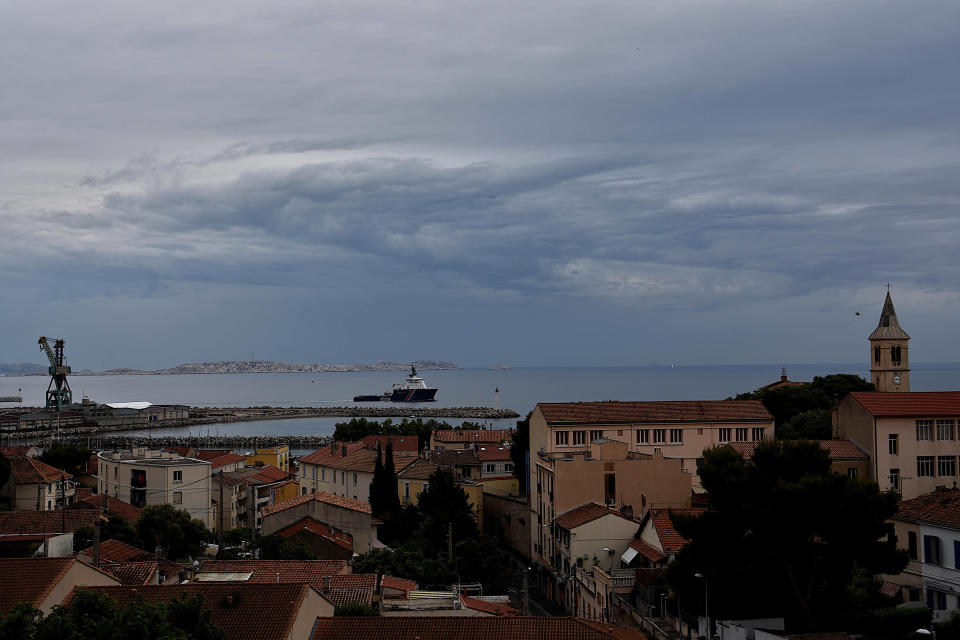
column 518, row 388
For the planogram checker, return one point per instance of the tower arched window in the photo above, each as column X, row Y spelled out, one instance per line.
column 876, row 354
column 895, row 355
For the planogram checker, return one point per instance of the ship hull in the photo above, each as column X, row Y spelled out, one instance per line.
column 413, row 395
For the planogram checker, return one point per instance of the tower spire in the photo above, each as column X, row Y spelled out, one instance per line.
column 889, row 364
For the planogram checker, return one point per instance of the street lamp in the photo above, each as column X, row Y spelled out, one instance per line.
column 706, row 603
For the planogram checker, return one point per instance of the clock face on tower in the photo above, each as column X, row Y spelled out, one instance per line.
column 897, row 379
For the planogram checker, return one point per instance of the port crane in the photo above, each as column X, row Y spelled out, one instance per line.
column 58, row 391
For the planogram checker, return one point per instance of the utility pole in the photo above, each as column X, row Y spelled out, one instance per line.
column 220, row 508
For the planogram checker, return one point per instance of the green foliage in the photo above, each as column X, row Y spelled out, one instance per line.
column 93, row 615
column 66, row 456
column 785, row 535
column 243, row 544
column 358, row 428
column 896, row 622
column 787, row 403
column 519, row 448
column 443, row 502
column 949, row 630
column 116, row 528
column 179, row 535
column 354, row 609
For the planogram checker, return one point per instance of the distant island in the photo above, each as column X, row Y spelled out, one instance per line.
column 241, row 366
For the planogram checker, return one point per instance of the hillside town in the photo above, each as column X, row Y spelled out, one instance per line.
column 661, row 520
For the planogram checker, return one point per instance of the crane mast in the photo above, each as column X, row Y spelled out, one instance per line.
column 58, row 391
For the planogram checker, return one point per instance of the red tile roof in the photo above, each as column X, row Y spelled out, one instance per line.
column 209, row 454
column 455, row 458
column 400, row 443
column 670, row 540
column 650, row 553
column 30, row 579
column 358, row 458
column 494, row 436
column 133, row 573
column 111, row 505
column 890, row 589
column 493, row 608
column 291, row 571
column 314, row 526
column 319, row 496
column 341, row 597
column 419, row 470
column 25, row 522
column 224, row 460
column 115, row 551
column 912, row 403
column 491, row 453
column 611, row 412
column 269, row 474
column 836, row 449
column 9, row 451
column 399, row 584
column 31, row 471
column 331, row 453
column 460, row 628
column 940, row 508
column 585, row 513
column 243, row 611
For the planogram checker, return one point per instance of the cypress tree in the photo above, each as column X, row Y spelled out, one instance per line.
column 391, row 499
column 376, row 486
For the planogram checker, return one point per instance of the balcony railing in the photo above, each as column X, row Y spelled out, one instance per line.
column 586, row 579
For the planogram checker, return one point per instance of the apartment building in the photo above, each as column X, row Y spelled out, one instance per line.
column 345, row 469
column 37, row 486
column 144, row 477
column 468, row 438
column 911, row 438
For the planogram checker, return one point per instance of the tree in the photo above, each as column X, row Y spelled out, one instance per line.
column 376, row 488
column 443, row 503
column 784, row 534
column 814, row 424
column 519, row 448
column 390, row 498
column 116, row 528
column 172, row 529
column 66, row 456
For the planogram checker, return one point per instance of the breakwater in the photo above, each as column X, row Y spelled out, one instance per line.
column 239, row 443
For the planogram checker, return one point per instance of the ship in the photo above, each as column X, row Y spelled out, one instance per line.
column 413, row 389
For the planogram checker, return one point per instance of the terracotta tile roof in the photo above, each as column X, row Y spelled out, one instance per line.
column 836, row 449
column 491, row 453
column 291, row 571
column 455, row 458
column 400, row 584
column 314, row 526
column 358, row 458
column 585, row 513
column 224, row 460
column 611, row 412
column 340, row 597
column 460, row 628
column 133, row 573
column 908, row 404
column 243, row 611
column 400, row 443
column 83, row 493
column 31, row 471
column 492, row 608
column 650, row 553
column 319, row 496
column 111, row 505
column 494, row 436
column 941, row 508
column 270, row 474
column 210, row 454
column 331, row 452
column 117, row 552
column 228, row 481
column 180, row 451
column 419, row 470
column 670, row 540
column 30, row 579
column 25, row 522
column 9, row 451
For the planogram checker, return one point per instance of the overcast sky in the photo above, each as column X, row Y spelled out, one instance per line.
column 526, row 183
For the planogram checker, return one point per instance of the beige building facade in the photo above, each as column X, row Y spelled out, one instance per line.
column 144, row 477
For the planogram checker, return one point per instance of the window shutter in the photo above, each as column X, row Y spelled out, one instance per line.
column 926, row 550
column 956, row 554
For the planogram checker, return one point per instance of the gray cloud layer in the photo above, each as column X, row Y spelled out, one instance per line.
column 689, row 160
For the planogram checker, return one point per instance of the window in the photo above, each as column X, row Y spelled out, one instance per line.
column 758, row 434
column 579, row 437
column 406, row 492
column 945, row 430
column 491, row 468
column 177, row 497
column 876, row 354
column 323, row 473
column 643, row 436
column 725, row 434
column 303, row 491
column 893, row 442
column 936, row 599
column 741, row 434
column 354, row 479
column 895, row 479
column 931, row 550
column 659, row 436
column 595, row 435
column 562, row 437
column 924, row 466
column 924, row 430
column 895, row 353
column 508, row 468
column 115, row 471
column 956, row 554
column 912, row 544
column 676, row 436
column 852, row 472
column 178, row 476
column 946, row 466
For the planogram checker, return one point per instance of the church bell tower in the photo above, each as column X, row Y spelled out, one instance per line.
column 889, row 362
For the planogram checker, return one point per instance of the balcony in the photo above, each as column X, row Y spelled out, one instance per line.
column 586, row 579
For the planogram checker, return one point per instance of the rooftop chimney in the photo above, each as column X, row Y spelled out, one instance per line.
column 326, row 584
